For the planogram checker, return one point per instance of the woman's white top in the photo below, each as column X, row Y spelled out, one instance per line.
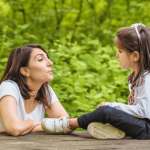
column 141, row 106
column 9, row 87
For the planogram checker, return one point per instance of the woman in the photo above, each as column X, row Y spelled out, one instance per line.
column 25, row 94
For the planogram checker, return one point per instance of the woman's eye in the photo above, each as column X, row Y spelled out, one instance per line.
column 120, row 51
column 40, row 59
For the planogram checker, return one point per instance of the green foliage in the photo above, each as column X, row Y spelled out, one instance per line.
column 3, row 60
column 87, row 76
column 78, row 35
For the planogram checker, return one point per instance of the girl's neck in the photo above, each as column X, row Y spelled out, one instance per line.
column 135, row 75
column 136, row 70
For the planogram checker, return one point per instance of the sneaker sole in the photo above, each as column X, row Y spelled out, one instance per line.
column 101, row 131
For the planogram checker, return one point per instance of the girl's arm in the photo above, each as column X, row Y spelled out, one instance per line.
column 141, row 106
column 56, row 110
column 11, row 122
column 134, row 110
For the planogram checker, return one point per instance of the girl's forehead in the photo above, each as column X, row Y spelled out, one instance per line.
column 117, row 42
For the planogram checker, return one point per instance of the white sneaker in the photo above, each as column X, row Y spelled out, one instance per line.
column 102, row 131
column 56, row 125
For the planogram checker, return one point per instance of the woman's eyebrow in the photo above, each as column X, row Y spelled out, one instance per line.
column 41, row 55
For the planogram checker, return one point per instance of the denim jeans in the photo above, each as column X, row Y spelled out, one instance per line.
column 138, row 128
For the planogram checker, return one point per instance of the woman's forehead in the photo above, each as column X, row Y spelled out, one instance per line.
column 37, row 51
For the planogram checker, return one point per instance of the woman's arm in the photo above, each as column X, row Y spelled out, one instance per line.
column 38, row 128
column 56, row 110
column 11, row 122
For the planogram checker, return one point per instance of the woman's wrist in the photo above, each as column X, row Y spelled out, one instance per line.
column 37, row 122
column 37, row 128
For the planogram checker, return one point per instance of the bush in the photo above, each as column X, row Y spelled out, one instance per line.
column 86, row 75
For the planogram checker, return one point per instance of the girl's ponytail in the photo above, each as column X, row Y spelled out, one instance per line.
column 144, row 43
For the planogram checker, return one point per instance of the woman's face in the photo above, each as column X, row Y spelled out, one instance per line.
column 39, row 67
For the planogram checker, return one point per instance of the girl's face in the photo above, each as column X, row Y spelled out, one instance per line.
column 124, row 57
column 39, row 68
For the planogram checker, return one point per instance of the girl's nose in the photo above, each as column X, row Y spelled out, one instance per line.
column 117, row 54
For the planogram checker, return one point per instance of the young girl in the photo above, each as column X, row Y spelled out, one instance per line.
column 25, row 94
column 133, row 119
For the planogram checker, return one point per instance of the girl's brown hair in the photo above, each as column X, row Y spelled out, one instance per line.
column 18, row 58
column 130, row 42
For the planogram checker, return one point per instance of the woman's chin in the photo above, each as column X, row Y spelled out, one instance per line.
column 48, row 80
column 51, row 79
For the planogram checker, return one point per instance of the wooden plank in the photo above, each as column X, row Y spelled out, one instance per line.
column 78, row 140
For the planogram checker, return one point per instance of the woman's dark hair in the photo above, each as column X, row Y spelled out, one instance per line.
column 18, row 58
column 129, row 41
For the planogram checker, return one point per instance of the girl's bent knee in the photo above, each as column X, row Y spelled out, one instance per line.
column 104, row 110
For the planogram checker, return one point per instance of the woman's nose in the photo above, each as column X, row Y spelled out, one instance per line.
column 50, row 63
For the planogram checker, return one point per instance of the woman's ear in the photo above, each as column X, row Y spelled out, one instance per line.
column 24, row 71
column 136, row 56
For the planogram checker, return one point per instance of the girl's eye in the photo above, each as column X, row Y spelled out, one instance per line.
column 120, row 51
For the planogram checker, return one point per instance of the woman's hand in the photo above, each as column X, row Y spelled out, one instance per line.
column 3, row 131
column 102, row 104
column 37, row 128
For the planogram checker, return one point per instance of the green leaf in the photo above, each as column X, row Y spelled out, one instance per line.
column 121, row 100
column 3, row 60
column 78, row 89
column 93, row 92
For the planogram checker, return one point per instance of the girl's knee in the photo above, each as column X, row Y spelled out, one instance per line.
column 104, row 110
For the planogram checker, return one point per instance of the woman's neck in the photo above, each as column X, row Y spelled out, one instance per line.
column 34, row 86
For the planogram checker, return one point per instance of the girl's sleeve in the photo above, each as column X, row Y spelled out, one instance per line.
column 141, row 107
column 8, row 88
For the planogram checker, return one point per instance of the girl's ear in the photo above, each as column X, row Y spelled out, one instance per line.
column 136, row 56
column 24, row 71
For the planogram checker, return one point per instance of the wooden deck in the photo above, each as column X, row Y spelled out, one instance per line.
column 78, row 140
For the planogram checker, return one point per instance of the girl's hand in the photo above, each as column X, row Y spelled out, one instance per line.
column 102, row 104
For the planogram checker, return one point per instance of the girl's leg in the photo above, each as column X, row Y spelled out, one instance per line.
column 132, row 126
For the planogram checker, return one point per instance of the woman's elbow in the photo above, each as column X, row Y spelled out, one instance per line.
column 13, row 130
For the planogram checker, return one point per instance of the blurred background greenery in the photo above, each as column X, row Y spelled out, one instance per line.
column 79, row 38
